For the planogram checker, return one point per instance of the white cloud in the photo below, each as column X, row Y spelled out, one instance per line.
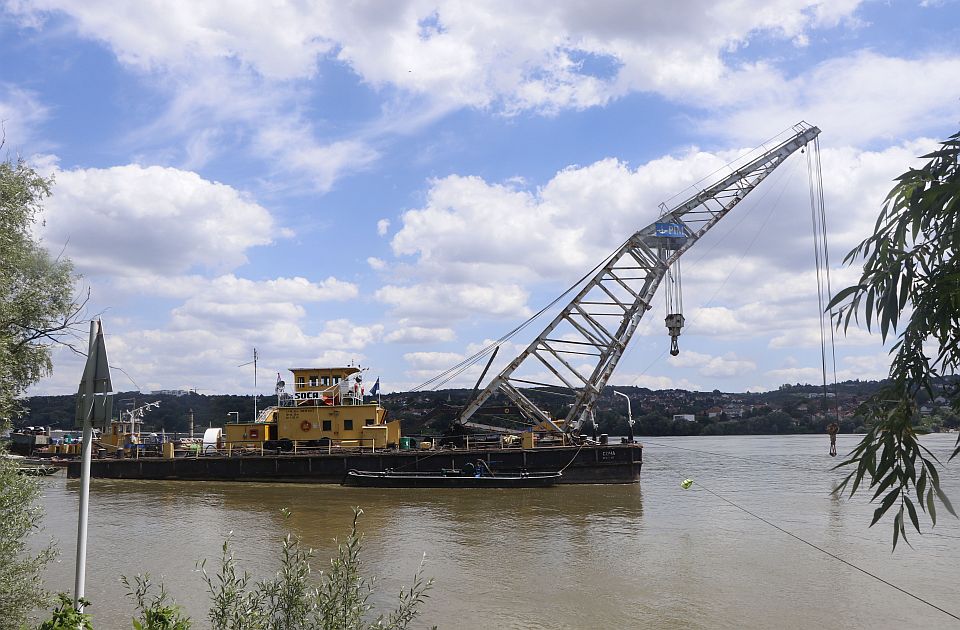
column 537, row 56
column 129, row 220
column 322, row 163
column 20, row 113
column 419, row 334
column 726, row 366
column 231, row 289
column 854, row 99
column 443, row 301
column 382, row 226
column 753, row 274
column 797, row 375
column 377, row 264
column 651, row 381
column 279, row 40
column 432, row 360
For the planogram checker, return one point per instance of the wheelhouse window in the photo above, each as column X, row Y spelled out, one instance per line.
column 300, row 381
column 348, row 425
column 327, row 425
column 368, row 422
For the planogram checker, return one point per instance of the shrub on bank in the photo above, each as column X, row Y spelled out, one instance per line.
column 338, row 599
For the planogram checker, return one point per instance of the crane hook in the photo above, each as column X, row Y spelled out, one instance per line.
column 674, row 322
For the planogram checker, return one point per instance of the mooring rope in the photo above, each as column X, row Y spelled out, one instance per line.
column 572, row 458
column 828, row 553
column 748, row 459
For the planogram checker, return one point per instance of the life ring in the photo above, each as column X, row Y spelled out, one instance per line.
column 305, row 426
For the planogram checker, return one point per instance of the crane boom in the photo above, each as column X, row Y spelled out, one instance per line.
column 577, row 352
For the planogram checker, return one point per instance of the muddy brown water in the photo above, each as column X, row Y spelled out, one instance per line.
column 650, row 555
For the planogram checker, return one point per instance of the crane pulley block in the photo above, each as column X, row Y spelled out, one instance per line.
column 674, row 322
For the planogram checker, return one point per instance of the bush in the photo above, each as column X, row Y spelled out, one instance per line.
column 66, row 617
column 21, row 587
column 154, row 613
column 290, row 600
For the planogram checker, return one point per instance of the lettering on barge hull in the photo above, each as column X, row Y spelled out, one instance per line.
column 602, row 464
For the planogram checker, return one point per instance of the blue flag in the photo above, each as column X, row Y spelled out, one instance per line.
column 376, row 388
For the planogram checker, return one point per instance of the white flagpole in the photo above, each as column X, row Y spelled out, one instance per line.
column 87, row 442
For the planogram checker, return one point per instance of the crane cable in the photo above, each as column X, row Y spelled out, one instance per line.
column 821, row 258
column 784, row 178
column 452, row 372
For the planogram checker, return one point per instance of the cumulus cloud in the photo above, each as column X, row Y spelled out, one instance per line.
column 206, row 358
column 20, row 113
column 652, row 381
column 419, row 334
column 726, row 366
column 441, row 301
column 754, row 269
column 432, row 360
column 134, row 219
column 382, row 226
column 538, row 56
column 279, row 40
column 229, row 288
column 851, row 98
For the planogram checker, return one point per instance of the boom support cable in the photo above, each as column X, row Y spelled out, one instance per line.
column 454, row 371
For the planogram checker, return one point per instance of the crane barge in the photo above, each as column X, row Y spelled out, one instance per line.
column 571, row 360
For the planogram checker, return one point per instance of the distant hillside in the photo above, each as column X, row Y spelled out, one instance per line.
column 789, row 409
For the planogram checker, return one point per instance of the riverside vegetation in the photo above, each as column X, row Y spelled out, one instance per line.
column 337, row 599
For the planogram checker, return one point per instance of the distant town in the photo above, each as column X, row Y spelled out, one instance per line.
column 797, row 408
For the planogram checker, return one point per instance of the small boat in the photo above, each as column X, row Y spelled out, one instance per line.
column 30, row 466
column 37, row 471
column 447, row 479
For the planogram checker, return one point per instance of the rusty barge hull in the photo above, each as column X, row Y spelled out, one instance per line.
column 606, row 464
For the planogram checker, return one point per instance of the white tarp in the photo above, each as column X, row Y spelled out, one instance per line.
column 212, row 439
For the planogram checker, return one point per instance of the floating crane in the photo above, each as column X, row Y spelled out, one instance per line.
column 579, row 350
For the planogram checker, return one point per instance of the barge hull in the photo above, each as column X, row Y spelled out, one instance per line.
column 607, row 464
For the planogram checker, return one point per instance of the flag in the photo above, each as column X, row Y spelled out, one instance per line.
column 376, row 388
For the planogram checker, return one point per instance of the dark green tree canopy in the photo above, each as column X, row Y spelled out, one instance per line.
column 911, row 284
column 37, row 308
column 37, row 304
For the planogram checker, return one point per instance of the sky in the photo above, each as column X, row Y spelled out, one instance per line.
column 397, row 184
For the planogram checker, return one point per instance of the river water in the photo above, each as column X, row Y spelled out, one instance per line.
column 650, row 555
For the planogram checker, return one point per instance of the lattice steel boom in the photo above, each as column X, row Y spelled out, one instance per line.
column 577, row 352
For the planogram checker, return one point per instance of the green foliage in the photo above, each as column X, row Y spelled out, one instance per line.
column 154, row 612
column 66, row 617
column 291, row 600
column 910, row 272
column 36, row 291
column 21, row 587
